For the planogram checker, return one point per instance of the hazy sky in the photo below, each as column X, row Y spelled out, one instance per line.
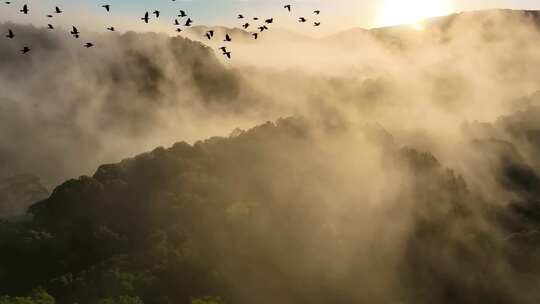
column 336, row 14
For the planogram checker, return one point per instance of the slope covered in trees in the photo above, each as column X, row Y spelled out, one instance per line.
column 286, row 212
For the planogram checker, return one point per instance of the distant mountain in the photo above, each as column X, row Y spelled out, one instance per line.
column 355, row 36
column 398, row 35
column 198, row 33
column 274, row 34
column 17, row 193
column 433, row 30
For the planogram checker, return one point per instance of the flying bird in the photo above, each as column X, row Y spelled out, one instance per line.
column 227, row 38
column 302, row 19
column 50, row 26
column 10, row 34
column 288, row 7
column 25, row 50
column 246, row 25
column 75, row 32
column 145, row 18
column 156, row 12
column 240, row 16
column 107, row 7
column 189, row 22
column 268, row 21
column 255, row 35
column 176, row 22
column 111, row 29
column 182, row 14
column 228, row 54
column 317, row 12
column 223, row 49
column 316, row 24
column 88, row 45
column 58, row 10
column 25, row 9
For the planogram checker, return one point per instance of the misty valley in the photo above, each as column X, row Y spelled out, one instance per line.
column 392, row 165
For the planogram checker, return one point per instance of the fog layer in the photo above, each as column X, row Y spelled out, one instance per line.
column 410, row 172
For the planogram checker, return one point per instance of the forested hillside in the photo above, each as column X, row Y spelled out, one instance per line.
column 277, row 214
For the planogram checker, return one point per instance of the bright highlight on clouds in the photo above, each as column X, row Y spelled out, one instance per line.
column 394, row 12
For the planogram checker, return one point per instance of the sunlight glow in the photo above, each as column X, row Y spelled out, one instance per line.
column 395, row 12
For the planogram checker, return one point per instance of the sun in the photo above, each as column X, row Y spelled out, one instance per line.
column 394, row 12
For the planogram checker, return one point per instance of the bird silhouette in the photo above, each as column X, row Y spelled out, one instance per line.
column 316, row 24
column 302, row 19
column 182, row 14
column 268, row 21
column 75, row 32
column 317, row 12
column 25, row 50
column 107, row 7
column 156, row 12
column 179, row 30
column 223, row 49
column 145, row 18
column 246, row 25
column 240, row 16
column 10, row 34
column 25, row 9
column 210, row 34
column 288, row 7
column 50, row 26
column 228, row 54
column 255, row 35
column 189, row 22
column 111, row 29
column 227, row 38
column 88, row 45
column 58, row 10
column 176, row 22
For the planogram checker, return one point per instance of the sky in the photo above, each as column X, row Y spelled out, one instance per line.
column 336, row 15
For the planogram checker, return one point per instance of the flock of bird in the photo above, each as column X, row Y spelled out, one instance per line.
column 182, row 19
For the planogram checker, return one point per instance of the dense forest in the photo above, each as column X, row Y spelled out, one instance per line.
column 286, row 212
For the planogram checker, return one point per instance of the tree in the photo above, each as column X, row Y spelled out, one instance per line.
column 39, row 296
column 121, row 300
column 206, row 300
